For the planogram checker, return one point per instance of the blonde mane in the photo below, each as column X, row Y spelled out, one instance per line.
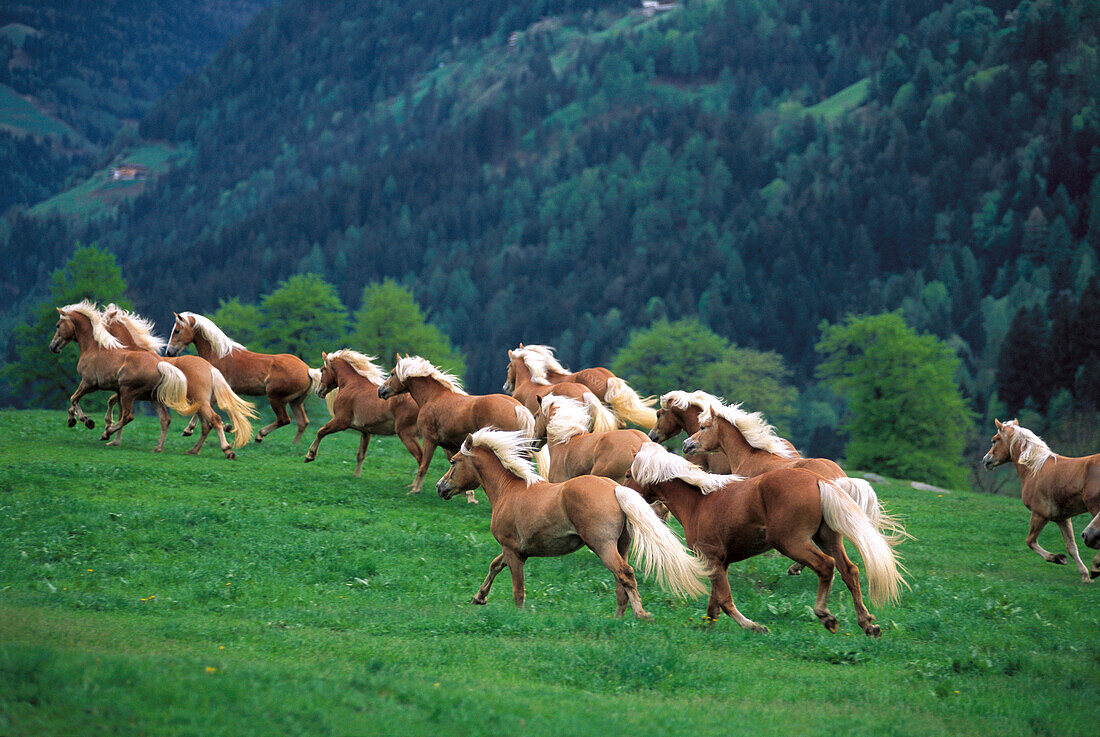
column 140, row 329
column 412, row 366
column 569, row 419
column 360, row 364
column 653, row 464
column 512, row 449
column 1033, row 451
column 99, row 331
column 540, row 360
column 698, row 399
column 219, row 341
column 752, row 425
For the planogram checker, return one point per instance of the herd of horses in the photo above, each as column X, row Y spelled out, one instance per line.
column 599, row 482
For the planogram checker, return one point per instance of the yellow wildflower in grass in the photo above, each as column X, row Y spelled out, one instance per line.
column 211, row 669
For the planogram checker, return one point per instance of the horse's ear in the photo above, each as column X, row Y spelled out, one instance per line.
column 324, row 356
column 538, row 399
column 998, row 424
column 60, row 310
column 468, row 441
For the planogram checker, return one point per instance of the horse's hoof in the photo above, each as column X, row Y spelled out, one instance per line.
column 72, row 422
column 104, row 436
column 187, row 433
column 831, row 624
column 1094, row 574
column 116, row 442
column 228, row 427
column 760, row 629
column 89, row 423
column 645, row 616
column 230, row 456
column 477, row 600
column 259, row 438
column 309, row 459
column 1060, row 559
column 192, row 452
column 410, row 492
column 873, row 630
column 794, row 570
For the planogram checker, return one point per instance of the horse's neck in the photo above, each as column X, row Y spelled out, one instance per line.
column 522, row 374
column 204, row 347
column 120, row 331
column 682, row 500
column 733, row 442
column 425, row 389
column 347, row 376
column 688, row 419
column 496, row 480
column 84, row 336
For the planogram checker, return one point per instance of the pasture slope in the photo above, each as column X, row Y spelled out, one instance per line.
column 173, row 595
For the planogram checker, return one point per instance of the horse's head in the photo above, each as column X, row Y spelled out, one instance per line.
column 391, row 387
column 510, row 381
column 644, row 490
column 706, row 440
column 1001, row 450
column 668, row 425
column 461, row 476
column 183, row 334
column 1091, row 533
column 328, row 376
column 64, row 333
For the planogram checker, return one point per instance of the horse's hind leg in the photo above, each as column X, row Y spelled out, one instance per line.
column 1036, row 526
column 514, row 562
column 830, row 540
column 187, row 431
column 281, row 418
column 165, row 421
column 111, row 402
column 1066, row 527
column 626, row 585
column 207, row 417
column 495, row 567
column 806, row 553
column 364, row 441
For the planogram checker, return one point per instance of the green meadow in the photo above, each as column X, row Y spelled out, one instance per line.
column 147, row 594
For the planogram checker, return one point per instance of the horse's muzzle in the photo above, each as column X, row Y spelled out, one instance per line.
column 1091, row 537
column 55, row 346
column 989, row 462
column 445, row 489
column 171, row 350
column 657, row 436
column 383, row 392
column 691, row 447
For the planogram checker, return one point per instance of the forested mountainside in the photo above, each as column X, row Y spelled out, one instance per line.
column 562, row 172
column 72, row 74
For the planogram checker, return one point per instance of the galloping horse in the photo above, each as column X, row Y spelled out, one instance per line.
column 571, row 450
column 354, row 380
column 1055, row 488
column 625, row 403
column 534, row 518
column 447, row 413
column 205, row 384
column 798, row 513
column 751, row 447
column 105, row 365
column 521, row 386
column 284, row 379
column 679, row 412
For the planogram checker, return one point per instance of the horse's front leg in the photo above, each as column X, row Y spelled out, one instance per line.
column 1036, row 526
column 720, row 592
column 515, row 564
column 422, row 467
column 126, row 414
column 333, row 425
column 76, row 414
column 364, row 441
column 297, row 408
column 187, row 431
column 1066, row 528
column 494, row 568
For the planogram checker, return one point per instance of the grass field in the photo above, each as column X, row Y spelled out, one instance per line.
column 21, row 117
column 166, row 594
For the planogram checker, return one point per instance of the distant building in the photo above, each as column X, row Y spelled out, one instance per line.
column 652, row 7
column 129, row 172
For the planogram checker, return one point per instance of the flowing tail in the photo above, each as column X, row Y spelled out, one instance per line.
column 628, row 406
column 659, row 549
column 863, row 494
column 603, row 419
column 239, row 410
column 171, row 390
column 330, row 401
column 841, row 513
column 542, row 461
column 314, row 380
column 526, row 420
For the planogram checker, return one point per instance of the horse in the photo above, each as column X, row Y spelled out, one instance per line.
column 571, row 450
column 1054, row 488
column 532, row 517
column 351, row 380
column 105, row 365
column 727, row 518
column 284, row 379
column 679, row 412
column 625, row 403
column 205, row 384
column 447, row 413
column 520, row 385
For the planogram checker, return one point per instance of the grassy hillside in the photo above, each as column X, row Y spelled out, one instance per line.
column 169, row 595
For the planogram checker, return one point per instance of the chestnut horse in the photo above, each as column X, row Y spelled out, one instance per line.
column 624, row 402
column 571, row 450
column 447, row 413
column 798, row 513
column 534, row 518
column 104, row 365
column 1055, row 488
column 679, row 412
column 284, row 379
column 521, row 386
column 352, row 380
column 205, row 384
